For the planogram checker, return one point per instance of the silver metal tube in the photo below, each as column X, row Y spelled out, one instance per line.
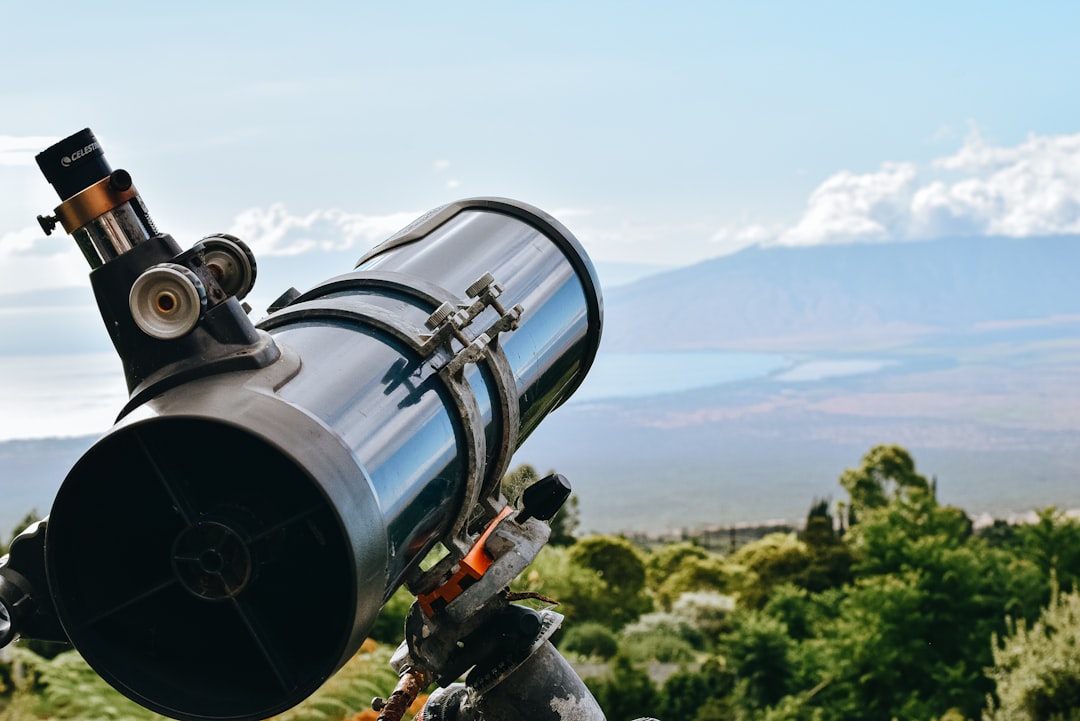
column 247, row 526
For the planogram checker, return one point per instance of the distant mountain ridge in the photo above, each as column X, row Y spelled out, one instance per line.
column 804, row 297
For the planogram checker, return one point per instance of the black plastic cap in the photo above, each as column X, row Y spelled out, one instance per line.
column 74, row 164
column 544, row 498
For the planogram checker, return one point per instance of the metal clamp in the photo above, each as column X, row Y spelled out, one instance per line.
column 450, row 320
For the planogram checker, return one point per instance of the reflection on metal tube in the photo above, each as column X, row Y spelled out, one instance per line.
column 247, row 525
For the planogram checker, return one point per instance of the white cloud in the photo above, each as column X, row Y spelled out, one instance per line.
column 18, row 242
column 730, row 238
column 1029, row 189
column 31, row 261
column 453, row 183
column 852, row 208
column 16, row 150
column 275, row 231
column 441, row 165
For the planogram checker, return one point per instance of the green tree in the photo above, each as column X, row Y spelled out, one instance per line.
column 668, row 559
column 1001, row 534
column 683, row 693
column 516, row 481
column 1053, row 544
column 886, row 472
column 910, row 637
column 708, row 573
column 776, row 559
column 554, row 575
column 707, row 612
column 830, row 560
column 760, row 653
column 625, row 691
column 590, row 639
column 615, row 592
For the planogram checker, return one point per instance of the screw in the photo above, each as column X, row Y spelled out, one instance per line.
column 47, row 223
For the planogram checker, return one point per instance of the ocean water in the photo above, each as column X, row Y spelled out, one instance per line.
column 45, row 396
column 637, row 375
column 819, row 370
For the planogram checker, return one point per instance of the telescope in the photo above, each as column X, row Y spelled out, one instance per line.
column 227, row 545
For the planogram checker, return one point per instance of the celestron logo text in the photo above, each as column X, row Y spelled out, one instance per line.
column 69, row 159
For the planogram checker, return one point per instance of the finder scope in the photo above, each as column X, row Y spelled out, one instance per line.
column 227, row 545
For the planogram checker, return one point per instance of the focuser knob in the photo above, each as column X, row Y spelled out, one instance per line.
column 167, row 301
column 231, row 262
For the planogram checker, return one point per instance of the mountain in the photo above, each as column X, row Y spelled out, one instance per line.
column 855, row 296
column 976, row 345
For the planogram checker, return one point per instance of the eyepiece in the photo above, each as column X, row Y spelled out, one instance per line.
column 74, row 164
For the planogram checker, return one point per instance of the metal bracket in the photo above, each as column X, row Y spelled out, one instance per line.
column 448, row 350
column 450, row 320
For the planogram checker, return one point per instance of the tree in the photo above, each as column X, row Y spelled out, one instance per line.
column 625, row 691
column 590, row 639
column 1053, row 544
column 710, row 573
column 600, row 579
column 910, row 637
column 760, row 653
column 668, row 559
column 615, row 594
column 886, row 471
column 776, row 559
column 516, row 481
column 684, row 692
column 830, row 559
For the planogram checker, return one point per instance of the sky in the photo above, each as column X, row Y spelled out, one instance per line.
column 662, row 134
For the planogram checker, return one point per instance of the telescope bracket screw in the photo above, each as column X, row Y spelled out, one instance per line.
column 440, row 315
column 47, row 223
column 480, row 285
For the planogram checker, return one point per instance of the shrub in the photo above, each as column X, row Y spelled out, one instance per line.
column 590, row 638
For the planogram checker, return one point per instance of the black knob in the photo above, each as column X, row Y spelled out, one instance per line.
column 47, row 223
column 544, row 498
column 120, row 180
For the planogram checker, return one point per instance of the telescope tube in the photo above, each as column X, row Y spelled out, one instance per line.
column 228, row 544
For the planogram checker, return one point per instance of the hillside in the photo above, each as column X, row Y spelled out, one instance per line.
column 851, row 297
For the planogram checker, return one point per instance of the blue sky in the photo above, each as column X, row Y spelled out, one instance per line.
column 661, row 133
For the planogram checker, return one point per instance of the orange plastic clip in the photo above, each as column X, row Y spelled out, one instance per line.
column 472, row 568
